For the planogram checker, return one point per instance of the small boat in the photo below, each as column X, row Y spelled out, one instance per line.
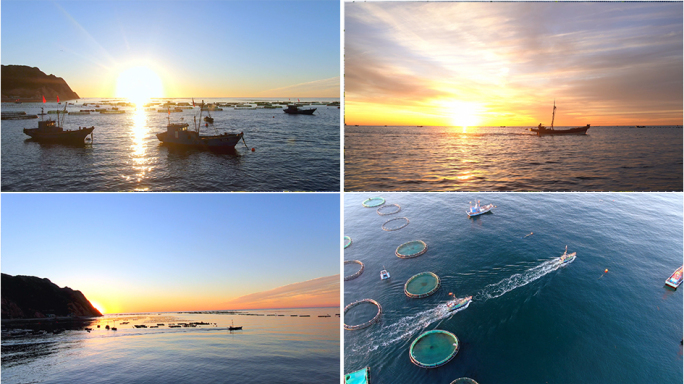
column 51, row 130
column 542, row 130
column 641, row 126
column 384, row 275
column 676, row 279
column 304, row 315
column 478, row 209
column 456, row 304
column 567, row 258
column 324, row 315
column 295, row 110
column 178, row 134
column 233, row 327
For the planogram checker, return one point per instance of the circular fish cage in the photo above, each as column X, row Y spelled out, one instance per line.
column 347, row 241
column 368, row 323
column 464, row 380
column 373, row 202
column 422, row 285
column 400, row 221
column 433, row 348
column 354, row 275
column 384, row 211
column 411, row 249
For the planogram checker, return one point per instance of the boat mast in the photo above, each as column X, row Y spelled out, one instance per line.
column 554, row 113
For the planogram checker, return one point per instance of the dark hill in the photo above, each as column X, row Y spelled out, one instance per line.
column 31, row 297
column 30, row 83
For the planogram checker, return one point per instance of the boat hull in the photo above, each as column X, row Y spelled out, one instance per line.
column 59, row 136
column 299, row 111
column 225, row 141
column 675, row 280
column 485, row 209
column 571, row 131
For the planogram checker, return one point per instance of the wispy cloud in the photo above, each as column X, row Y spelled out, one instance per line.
column 319, row 292
column 317, row 88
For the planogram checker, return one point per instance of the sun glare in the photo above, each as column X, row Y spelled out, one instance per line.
column 462, row 114
column 98, row 306
column 139, row 84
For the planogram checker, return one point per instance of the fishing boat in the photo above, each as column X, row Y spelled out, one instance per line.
column 178, row 134
column 295, row 110
column 52, row 131
column 456, row 304
column 208, row 118
column 542, row 130
column 567, row 258
column 478, row 209
column 384, row 275
column 233, row 327
column 676, row 279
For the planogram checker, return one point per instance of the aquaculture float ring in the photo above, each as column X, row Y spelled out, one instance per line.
column 373, row 202
column 347, row 241
column 433, row 348
column 383, row 211
column 411, row 249
column 464, row 380
column 422, row 285
column 385, row 227
column 358, row 273
column 368, row 323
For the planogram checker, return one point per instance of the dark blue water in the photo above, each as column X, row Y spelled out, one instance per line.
column 292, row 152
column 270, row 349
column 531, row 321
column 511, row 159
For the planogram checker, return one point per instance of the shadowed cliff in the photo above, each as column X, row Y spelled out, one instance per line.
column 30, row 83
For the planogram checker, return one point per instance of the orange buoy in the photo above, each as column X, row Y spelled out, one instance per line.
column 252, row 149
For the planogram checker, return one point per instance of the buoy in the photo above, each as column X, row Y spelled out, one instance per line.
column 252, row 149
column 606, row 271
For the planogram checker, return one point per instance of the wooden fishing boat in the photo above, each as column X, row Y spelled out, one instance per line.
column 51, row 131
column 478, row 209
column 295, row 110
column 233, row 327
column 542, row 130
column 676, row 279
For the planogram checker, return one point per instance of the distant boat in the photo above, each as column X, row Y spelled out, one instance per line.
column 324, row 316
column 458, row 303
column 233, row 327
column 676, row 279
column 567, row 258
column 641, row 126
column 51, row 131
column 178, row 134
column 478, row 209
column 384, row 275
column 294, row 110
column 542, row 130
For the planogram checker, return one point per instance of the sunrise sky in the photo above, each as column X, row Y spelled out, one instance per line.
column 492, row 64
column 193, row 48
column 179, row 252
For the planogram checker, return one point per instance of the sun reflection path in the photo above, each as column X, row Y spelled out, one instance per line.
column 141, row 163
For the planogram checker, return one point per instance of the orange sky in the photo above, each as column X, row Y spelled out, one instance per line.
column 493, row 64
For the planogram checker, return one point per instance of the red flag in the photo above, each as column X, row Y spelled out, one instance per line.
column 298, row 100
column 193, row 102
column 169, row 111
column 43, row 99
column 58, row 99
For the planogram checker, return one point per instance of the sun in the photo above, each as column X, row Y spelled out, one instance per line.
column 463, row 114
column 139, row 84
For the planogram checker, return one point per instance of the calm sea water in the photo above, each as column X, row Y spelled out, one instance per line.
column 270, row 349
column 531, row 321
column 292, row 152
column 511, row 159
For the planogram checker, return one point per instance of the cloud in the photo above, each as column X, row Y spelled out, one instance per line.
column 317, row 88
column 319, row 292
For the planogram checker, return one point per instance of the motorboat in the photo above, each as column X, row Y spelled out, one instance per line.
column 457, row 304
column 478, row 209
column 676, row 279
column 384, row 275
column 567, row 258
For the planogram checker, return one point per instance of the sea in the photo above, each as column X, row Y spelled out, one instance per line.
column 434, row 159
column 291, row 152
column 606, row 317
column 272, row 347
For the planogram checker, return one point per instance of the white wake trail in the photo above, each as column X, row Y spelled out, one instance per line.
column 518, row 280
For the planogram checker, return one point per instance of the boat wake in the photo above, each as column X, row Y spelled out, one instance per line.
column 518, row 280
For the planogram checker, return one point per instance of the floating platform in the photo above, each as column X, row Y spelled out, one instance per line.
column 362, row 376
column 464, row 380
column 397, row 223
column 389, row 209
column 422, row 285
column 358, row 273
column 373, row 202
column 368, row 323
column 411, row 249
column 433, row 348
column 347, row 241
